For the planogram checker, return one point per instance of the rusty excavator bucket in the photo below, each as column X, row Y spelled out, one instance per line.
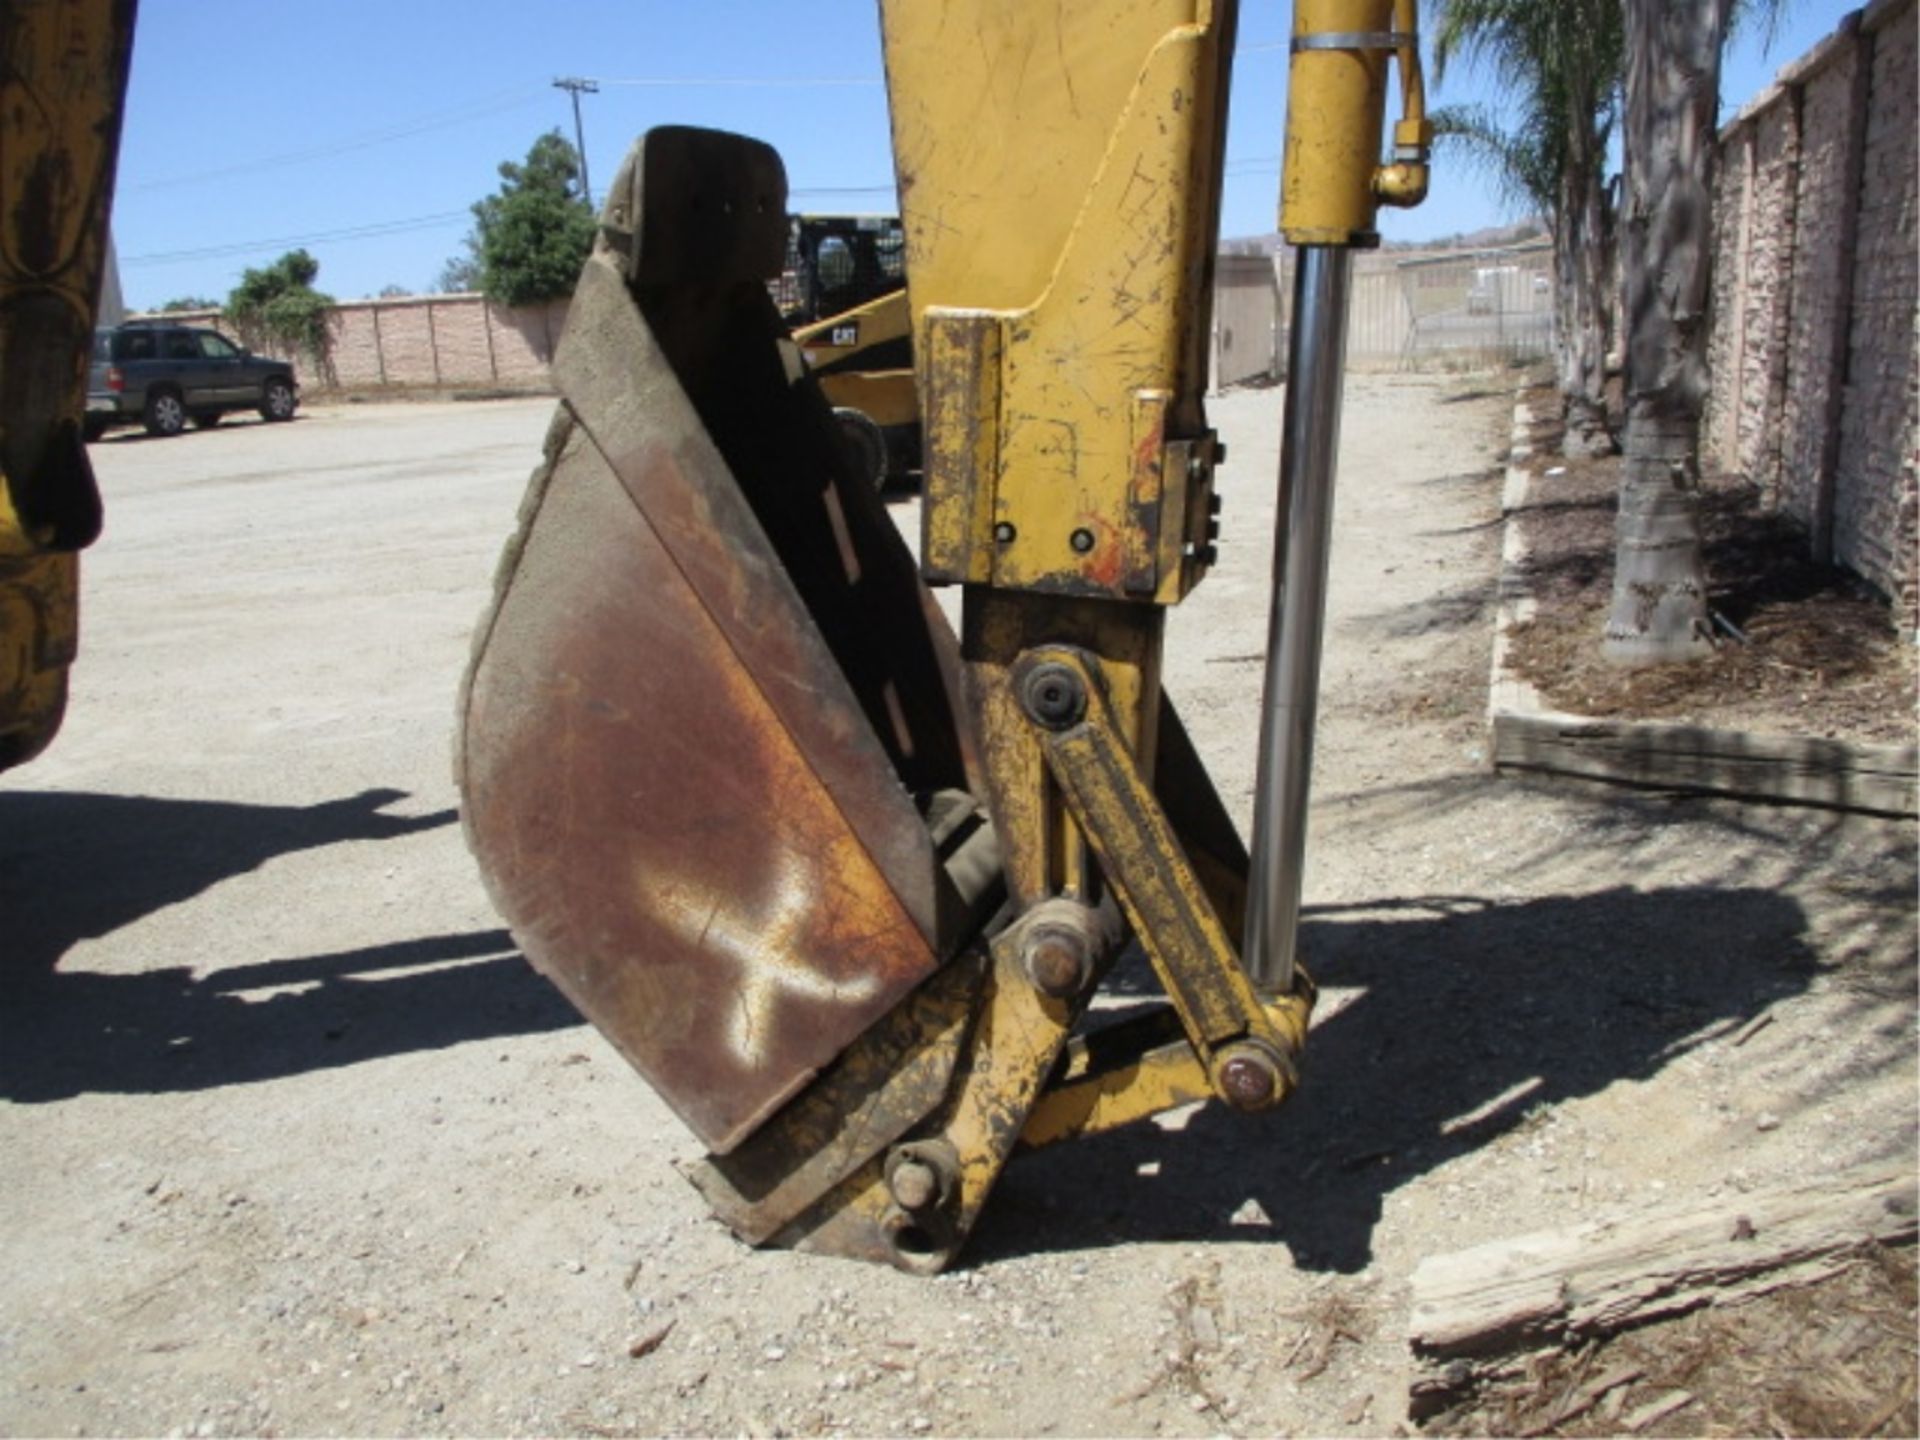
column 841, row 885
column 714, row 766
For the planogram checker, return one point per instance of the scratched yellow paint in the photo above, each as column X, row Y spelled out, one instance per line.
column 1059, row 171
column 1016, row 1037
column 1002, row 114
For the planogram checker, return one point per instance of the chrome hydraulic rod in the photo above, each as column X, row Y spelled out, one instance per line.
column 1309, row 447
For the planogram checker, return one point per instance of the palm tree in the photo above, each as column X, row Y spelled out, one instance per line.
column 1568, row 62
column 1673, row 97
column 1562, row 62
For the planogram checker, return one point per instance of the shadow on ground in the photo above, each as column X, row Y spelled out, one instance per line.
column 77, row 866
column 1460, row 607
column 1469, row 1014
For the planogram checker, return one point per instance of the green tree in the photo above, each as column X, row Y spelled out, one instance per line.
column 278, row 305
column 461, row 273
column 188, row 302
column 1561, row 64
column 535, row 233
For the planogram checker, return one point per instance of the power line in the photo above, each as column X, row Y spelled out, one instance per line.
column 741, row 82
column 440, row 120
column 377, row 229
column 478, row 110
column 352, row 232
column 515, row 99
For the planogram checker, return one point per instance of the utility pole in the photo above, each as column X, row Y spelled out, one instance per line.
column 575, row 85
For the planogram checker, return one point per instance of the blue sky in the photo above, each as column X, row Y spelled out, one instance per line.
column 364, row 131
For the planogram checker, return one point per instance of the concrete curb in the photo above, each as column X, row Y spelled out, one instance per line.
column 1528, row 735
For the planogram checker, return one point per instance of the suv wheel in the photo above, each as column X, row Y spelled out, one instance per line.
column 166, row 415
column 277, row 401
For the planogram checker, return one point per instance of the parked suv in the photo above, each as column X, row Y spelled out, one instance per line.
column 161, row 375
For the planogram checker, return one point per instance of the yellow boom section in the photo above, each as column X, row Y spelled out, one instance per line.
column 1059, row 172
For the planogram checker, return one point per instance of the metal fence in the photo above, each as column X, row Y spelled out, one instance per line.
column 1485, row 307
column 1457, row 309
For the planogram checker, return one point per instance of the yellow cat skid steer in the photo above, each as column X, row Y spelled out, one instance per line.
column 838, row 882
column 843, row 289
column 863, row 359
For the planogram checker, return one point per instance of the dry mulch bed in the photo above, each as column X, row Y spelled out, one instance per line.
column 1833, row 1359
column 1822, row 656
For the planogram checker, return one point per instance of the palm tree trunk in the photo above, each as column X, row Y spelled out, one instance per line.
column 1673, row 92
column 1582, row 268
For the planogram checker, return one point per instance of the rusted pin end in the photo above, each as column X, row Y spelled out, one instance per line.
column 921, row 1175
column 923, row 1181
column 915, row 1184
column 1058, row 960
column 1053, row 695
column 1250, row 1076
column 1062, row 944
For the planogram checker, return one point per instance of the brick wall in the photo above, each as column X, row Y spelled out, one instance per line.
column 429, row 341
column 1814, row 358
column 523, row 340
column 1876, row 497
column 1822, row 211
column 1775, row 149
column 442, row 341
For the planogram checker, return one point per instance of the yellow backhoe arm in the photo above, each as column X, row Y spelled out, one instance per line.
column 839, row 882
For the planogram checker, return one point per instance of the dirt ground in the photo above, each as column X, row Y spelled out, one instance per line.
column 297, row 1144
column 1800, row 648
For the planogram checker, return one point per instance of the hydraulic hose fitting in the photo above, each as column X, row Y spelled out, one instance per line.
column 1403, row 182
column 1336, row 111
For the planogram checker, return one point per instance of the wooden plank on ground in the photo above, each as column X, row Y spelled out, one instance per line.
column 1879, row 779
column 1474, row 1310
